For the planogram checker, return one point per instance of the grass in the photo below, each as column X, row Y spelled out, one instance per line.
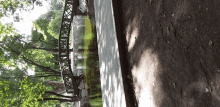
column 87, row 41
column 92, row 75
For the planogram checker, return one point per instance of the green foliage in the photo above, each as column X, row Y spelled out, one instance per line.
column 49, row 24
column 26, row 94
column 37, row 36
column 54, row 27
column 8, row 4
column 58, row 5
column 4, row 93
column 9, row 58
column 40, row 57
column 92, row 75
column 6, row 29
column 6, row 57
column 38, row 39
column 41, row 25
column 97, row 102
column 9, row 86
column 1, row 52
column 1, row 15
column 2, row 58
column 15, row 90
column 30, row 93
column 18, row 51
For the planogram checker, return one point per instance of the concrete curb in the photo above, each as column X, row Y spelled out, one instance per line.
column 112, row 87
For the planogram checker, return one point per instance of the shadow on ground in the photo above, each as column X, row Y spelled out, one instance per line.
column 173, row 51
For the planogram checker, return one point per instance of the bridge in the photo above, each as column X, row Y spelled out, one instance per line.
column 71, row 82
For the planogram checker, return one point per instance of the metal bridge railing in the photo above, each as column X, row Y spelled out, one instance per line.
column 70, row 9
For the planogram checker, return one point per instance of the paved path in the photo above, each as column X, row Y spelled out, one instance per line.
column 110, row 69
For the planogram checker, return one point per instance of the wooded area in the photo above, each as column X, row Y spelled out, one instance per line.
column 21, row 54
column 29, row 66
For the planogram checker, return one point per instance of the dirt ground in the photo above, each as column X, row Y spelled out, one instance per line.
column 173, row 51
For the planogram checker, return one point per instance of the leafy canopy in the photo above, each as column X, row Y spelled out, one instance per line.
column 28, row 93
column 54, row 27
column 6, row 29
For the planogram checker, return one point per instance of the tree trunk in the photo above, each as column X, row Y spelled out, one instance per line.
column 31, row 76
column 46, row 69
column 59, row 95
column 58, row 86
column 53, row 51
column 45, row 75
column 49, row 50
column 56, row 83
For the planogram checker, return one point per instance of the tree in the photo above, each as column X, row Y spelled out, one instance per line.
column 55, row 23
column 29, row 93
column 15, row 96
column 40, row 60
column 17, row 87
column 38, row 40
column 4, row 93
column 10, row 6
column 6, row 29
column 54, row 27
column 58, row 87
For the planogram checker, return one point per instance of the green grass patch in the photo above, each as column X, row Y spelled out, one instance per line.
column 89, row 35
column 92, row 74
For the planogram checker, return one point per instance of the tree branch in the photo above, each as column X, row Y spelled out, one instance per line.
column 59, row 95
column 43, row 76
column 61, row 100
column 33, row 63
